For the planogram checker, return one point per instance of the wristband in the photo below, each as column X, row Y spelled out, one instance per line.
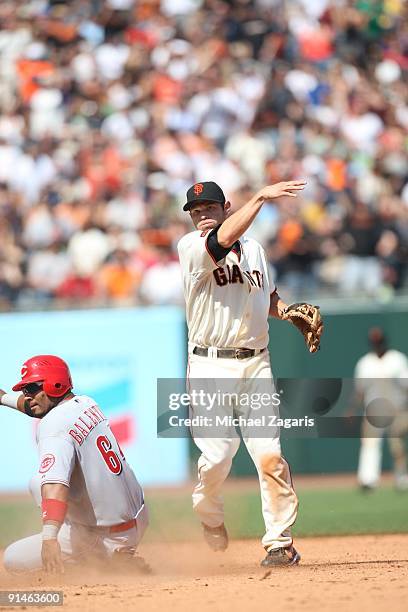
column 53, row 510
column 50, row 532
column 10, row 400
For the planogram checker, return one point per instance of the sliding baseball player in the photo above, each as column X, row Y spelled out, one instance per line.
column 92, row 504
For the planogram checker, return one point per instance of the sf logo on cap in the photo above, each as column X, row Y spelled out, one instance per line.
column 198, row 188
column 24, row 370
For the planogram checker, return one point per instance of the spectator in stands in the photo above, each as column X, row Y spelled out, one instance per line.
column 111, row 109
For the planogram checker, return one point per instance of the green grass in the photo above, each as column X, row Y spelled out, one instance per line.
column 332, row 511
column 339, row 511
column 348, row 511
column 18, row 519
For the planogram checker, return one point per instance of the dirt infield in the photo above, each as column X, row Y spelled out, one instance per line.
column 349, row 573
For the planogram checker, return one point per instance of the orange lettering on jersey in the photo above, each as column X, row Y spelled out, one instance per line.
column 77, row 437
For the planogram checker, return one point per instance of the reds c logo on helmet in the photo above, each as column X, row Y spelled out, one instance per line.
column 49, row 371
column 198, row 188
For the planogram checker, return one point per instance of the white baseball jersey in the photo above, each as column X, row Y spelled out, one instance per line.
column 391, row 374
column 78, row 449
column 227, row 302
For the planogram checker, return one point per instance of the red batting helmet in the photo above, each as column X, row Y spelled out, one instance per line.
column 49, row 370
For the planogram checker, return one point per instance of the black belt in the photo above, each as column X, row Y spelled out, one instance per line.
column 238, row 353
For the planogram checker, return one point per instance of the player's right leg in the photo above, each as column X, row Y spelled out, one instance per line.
column 214, row 466
column 25, row 555
column 217, row 443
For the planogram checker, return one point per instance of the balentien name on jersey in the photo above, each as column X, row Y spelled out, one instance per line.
column 91, row 417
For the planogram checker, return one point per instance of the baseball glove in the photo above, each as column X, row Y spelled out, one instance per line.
column 308, row 320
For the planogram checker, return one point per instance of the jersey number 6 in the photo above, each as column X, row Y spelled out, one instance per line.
column 109, row 456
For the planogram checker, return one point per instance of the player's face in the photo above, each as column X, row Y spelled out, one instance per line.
column 207, row 215
column 40, row 402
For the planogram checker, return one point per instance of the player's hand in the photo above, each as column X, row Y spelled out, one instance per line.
column 207, row 224
column 286, row 188
column 51, row 557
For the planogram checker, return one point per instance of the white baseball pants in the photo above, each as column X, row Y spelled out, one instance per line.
column 77, row 542
column 370, row 456
column 279, row 501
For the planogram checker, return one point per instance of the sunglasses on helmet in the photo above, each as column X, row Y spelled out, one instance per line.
column 32, row 389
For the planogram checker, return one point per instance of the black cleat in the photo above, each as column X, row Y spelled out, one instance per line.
column 128, row 559
column 281, row 557
column 216, row 537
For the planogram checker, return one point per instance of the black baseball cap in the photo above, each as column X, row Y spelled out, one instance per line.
column 201, row 192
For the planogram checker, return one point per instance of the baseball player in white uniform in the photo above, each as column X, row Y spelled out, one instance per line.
column 382, row 374
column 92, row 504
column 229, row 294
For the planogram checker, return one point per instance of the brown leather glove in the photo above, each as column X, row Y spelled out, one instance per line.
column 308, row 320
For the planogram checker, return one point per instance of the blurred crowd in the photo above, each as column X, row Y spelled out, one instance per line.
column 111, row 109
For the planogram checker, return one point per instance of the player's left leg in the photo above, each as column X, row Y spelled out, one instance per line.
column 279, row 500
column 122, row 547
column 127, row 540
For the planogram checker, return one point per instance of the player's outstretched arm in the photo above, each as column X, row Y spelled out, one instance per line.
column 13, row 400
column 237, row 224
column 54, row 506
